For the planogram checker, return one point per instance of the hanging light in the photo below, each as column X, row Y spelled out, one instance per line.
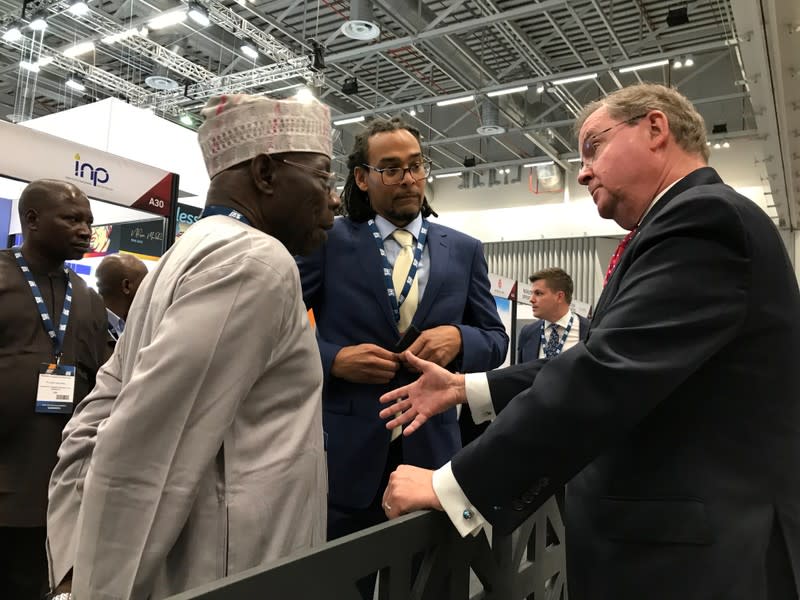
column 78, row 8
column 78, row 49
column 12, row 34
column 168, row 19
column 75, row 83
column 198, row 14
column 726, row 144
column 688, row 61
column 677, row 63
column 248, row 48
column 38, row 24
column 186, row 119
column 304, row 95
column 717, row 146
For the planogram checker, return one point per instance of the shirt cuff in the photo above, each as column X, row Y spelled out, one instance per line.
column 479, row 398
column 466, row 518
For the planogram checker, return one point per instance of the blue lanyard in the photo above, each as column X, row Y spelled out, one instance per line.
column 57, row 337
column 563, row 337
column 217, row 209
column 397, row 301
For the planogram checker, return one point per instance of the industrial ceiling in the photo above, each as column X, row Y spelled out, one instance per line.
column 527, row 66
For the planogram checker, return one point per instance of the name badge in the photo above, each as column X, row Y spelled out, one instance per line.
column 56, row 391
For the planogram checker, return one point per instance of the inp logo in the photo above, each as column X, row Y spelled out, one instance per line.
column 84, row 170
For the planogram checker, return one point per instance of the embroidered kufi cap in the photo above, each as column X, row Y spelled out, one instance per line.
column 240, row 127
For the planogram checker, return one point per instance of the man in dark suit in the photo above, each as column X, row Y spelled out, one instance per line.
column 354, row 285
column 677, row 422
column 558, row 328
column 50, row 317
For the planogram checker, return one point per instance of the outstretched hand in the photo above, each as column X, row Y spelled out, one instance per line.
column 434, row 392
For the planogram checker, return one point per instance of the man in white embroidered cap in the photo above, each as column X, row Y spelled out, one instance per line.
column 203, row 436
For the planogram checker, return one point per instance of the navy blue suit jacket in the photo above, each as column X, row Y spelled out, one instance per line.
column 343, row 282
column 677, row 422
column 530, row 338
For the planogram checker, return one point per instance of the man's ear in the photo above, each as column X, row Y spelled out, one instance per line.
column 31, row 219
column 262, row 171
column 659, row 127
column 360, row 174
column 126, row 286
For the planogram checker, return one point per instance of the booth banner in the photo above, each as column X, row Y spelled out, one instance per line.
column 525, row 291
column 579, row 307
column 503, row 287
column 187, row 215
column 31, row 155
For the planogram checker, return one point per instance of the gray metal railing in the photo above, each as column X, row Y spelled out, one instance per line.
column 529, row 563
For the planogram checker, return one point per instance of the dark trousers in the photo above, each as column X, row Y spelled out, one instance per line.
column 343, row 521
column 23, row 563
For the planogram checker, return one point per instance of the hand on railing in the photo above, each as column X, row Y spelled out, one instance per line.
column 409, row 489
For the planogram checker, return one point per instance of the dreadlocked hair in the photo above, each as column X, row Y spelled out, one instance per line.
column 355, row 202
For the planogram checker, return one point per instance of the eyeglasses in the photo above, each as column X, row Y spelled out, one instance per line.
column 396, row 175
column 327, row 176
column 589, row 148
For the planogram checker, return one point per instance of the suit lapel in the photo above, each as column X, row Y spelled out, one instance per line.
column 438, row 264
column 702, row 176
column 372, row 269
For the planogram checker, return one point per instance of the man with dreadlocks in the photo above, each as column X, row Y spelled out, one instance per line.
column 385, row 271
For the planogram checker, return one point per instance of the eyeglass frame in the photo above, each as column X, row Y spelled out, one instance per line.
column 425, row 162
column 329, row 176
column 590, row 140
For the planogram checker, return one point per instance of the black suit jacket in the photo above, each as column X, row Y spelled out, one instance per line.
column 530, row 338
column 677, row 422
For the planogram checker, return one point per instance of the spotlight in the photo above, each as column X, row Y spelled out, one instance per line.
column 12, row 34
column 319, row 55
column 76, row 84
column 540, row 89
column 248, row 48
column 167, row 19
column 198, row 14
column 304, row 95
column 717, row 146
column 38, row 24
column 469, row 161
column 726, row 144
column 78, row 49
column 413, row 112
column 678, row 16
column 677, row 63
column 430, row 178
column 78, row 8
column 186, row 119
column 350, row 86
column 689, row 61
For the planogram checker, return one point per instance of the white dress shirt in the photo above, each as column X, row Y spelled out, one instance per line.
column 573, row 337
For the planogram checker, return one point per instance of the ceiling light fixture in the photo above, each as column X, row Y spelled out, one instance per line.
column 361, row 24
column 539, row 164
column 412, row 111
column 350, row 120
column 186, row 119
column 12, row 34
column 29, row 66
column 78, row 49
column 304, row 95
column 38, row 24
column 123, row 35
column 78, row 8
column 198, row 14
column 350, row 86
column 167, row 19
column 677, row 63
column 573, row 160
column 455, row 100
column 688, row 62
column 521, row 88
column 248, row 48
column 726, row 144
column 717, row 146
column 44, row 61
column 446, row 175
column 430, row 178
column 76, row 84
column 650, row 65
column 540, row 88
column 574, row 79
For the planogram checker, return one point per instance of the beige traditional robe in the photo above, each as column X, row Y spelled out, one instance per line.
column 200, row 451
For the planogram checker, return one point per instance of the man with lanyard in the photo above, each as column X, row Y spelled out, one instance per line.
column 52, row 342
column 118, row 278
column 558, row 328
column 210, row 459
column 385, row 273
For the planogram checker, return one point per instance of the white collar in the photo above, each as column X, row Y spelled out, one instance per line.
column 387, row 228
column 562, row 322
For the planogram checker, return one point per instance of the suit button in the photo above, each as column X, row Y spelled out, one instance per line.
column 517, row 505
column 528, row 497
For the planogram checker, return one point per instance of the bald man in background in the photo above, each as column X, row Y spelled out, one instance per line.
column 34, row 284
column 118, row 278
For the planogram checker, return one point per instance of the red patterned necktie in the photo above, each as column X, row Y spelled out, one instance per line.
column 617, row 254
